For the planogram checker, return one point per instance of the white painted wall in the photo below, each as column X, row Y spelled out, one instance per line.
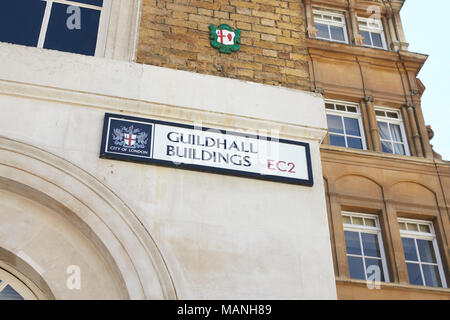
column 222, row 237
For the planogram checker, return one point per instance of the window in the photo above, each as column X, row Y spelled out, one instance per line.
column 11, row 288
column 372, row 31
column 364, row 245
column 421, row 253
column 330, row 26
column 344, row 125
column 77, row 26
column 392, row 132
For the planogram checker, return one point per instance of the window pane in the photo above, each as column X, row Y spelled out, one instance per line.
column 399, row 149
column 322, row 31
column 354, row 143
column 346, row 219
column 376, row 39
column 366, row 36
column 370, row 245
column 340, row 107
column 396, row 132
column 431, row 274
column 392, row 115
column 370, row 222
column 60, row 37
column 387, row 147
column 329, row 106
column 352, row 127
column 412, row 227
column 337, row 33
column 357, row 220
column 352, row 109
column 352, row 242
column 21, row 21
column 426, row 251
column 414, row 274
column 374, row 265
column 409, row 248
column 337, row 140
column 384, row 130
column 402, row 226
column 424, row 228
column 98, row 3
column 356, row 268
column 335, row 124
column 10, row 294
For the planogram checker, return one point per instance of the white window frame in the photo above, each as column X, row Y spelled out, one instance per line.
column 327, row 22
column 347, row 114
column 373, row 26
column 431, row 236
column 102, row 27
column 367, row 229
column 398, row 121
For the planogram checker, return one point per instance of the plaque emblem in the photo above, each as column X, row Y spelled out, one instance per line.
column 130, row 137
column 224, row 38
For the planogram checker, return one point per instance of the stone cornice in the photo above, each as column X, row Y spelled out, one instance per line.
column 333, row 153
column 347, row 51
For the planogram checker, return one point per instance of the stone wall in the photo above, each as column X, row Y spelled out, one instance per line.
column 166, row 233
column 175, row 34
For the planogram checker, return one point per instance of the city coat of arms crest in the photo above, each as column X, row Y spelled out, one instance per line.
column 130, row 137
column 225, row 38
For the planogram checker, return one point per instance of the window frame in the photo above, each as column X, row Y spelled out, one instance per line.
column 102, row 33
column 372, row 29
column 343, row 24
column 367, row 229
column 399, row 121
column 431, row 236
column 347, row 114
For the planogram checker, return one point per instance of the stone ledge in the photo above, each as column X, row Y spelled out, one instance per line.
column 381, row 155
column 419, row 291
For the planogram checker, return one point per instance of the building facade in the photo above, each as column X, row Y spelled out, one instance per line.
column 353, row 203
column 377, row 160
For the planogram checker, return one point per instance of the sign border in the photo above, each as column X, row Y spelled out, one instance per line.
column 109, row 155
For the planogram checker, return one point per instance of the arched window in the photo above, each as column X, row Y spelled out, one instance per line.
column 13, row 288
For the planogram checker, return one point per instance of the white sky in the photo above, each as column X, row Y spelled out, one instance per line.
column 425, row 24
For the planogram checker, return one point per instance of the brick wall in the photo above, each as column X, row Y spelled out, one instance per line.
column 175, row 34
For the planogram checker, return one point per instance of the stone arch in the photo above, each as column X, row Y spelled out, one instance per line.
column 25, row 273
column 358, row 186
column 95, row 217
column 411, row 192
